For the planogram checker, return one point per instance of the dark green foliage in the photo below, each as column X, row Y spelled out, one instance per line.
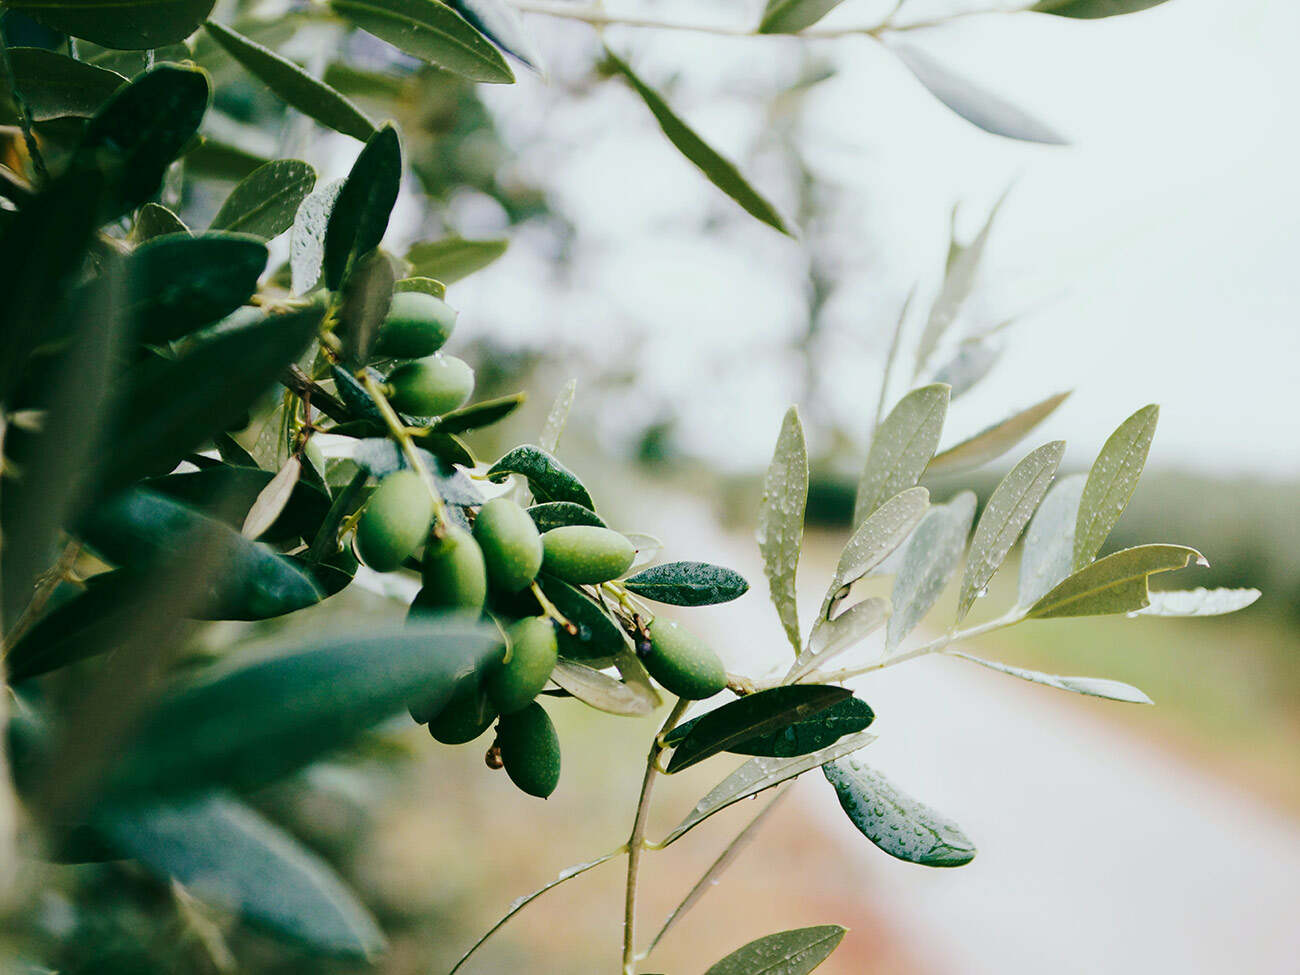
column 688, row 584
column 360, row 214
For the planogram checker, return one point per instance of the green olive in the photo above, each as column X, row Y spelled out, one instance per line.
column 586, row 555
column 512, row 548
column 467, row 715
column 533, row 651
column 395, row 522
column 530, row 750
column 454, row 575
column 417, row 325
column 682, row 662
column 431, row 386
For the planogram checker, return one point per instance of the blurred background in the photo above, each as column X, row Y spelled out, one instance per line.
column 1150, row 260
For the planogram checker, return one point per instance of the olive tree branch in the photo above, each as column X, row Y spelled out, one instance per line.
column 636, row 841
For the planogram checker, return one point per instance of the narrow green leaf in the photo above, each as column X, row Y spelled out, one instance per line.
column 359, row 215
column 432, row 32
column 244, row 580
column 719, row 171
column 226, row 854
column 1112, row 690
column 598, row 636
column 832, row 637
column 1200, row 602
column 1112, row 481
column 366, row 296
column 549, row 479
column 781, row 521
column 894, row 821
column 155, row 220
column 601, row 691
column 181, row 283
column 307, row 238
column 339, row 685
column 970, row 364
column 847, row 716
column 53, row 85
column 759, row 774
column 929, row 561
column 976, row 105
column 754, row 716
column 423, row 285
column 265, row 203
column 795, row 952
column 557, row 514
column 272, row 500
column 1114, row 584
column 138, row 132
column 688, row 584
column 292, row 84
column 874, row 540
column 1008, row 511
column 128, row 25
column 1049, row 543
column 452, row 258
column 228, row 492
column 792, row 16
column 992, row 442
column 478, row 415
column 499, row 23
column 901, row 448
column 1093, row 9
column 168, row 406
column 558, row 416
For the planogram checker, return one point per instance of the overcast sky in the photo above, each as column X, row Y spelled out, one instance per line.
column 1154, row 259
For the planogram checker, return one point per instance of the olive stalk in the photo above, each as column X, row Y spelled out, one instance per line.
column 397, row 429
column 636, row 844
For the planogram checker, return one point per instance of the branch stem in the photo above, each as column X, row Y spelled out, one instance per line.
column 397, row 429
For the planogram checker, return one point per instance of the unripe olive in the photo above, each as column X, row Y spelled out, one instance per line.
column 431, row 386
column 454, row 575
column 530, row 750
column 467, row 715
column 682, row 662
column 586, row 555
column 417, row 325
column 512, row 548
column 395, row 522
column 533, row 652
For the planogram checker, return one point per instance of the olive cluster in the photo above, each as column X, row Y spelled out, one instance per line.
column 500, row 568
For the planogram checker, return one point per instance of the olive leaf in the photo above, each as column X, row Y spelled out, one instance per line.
column 832, row 637
column 477, row 415
column 719, row 171
column 155, row 220
column 688, row 584
column 227, row 492
column 557, row 416
column 266, row 202
column 929, row 561
column 499, row 23
column 875, row 540
column 794, row 952
column 140, row 130
column 307, row 238
column 969, row 365
column 994, row 441
column 1114, row 584
column 558, row 514
column 432, row 32
column 210, row 158
column 600, row 690
column 340, row 685
column 1112, row 690
column 598, row 636
column 1092, row 9
column 759, row 774
column 901, row 447
column 1200, row 602
column 272, row 500
column 365, row 297
column 1112, row 481
column 224, row 852
column 1048, row 553
column 1005, row 516
column 976, row 105
column 453, row 258
column 753, row 716
column 792, row 16
column 291, row 83
column 423, row 285
column 547, row 477
column 359, row 215
column 894, row 821
column 846, row 716
column 129, row 25
column 53, row 85
column 181, row 283
column 781, row 520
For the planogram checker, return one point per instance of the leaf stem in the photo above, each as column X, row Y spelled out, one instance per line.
column 636, row 841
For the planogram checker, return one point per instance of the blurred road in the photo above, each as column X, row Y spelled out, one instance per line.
column 1099, row 852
